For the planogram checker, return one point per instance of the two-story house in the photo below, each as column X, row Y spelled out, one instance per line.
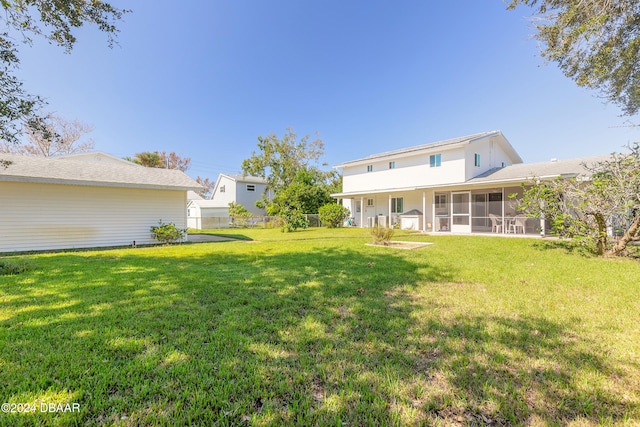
column 458, row 185
column 214, row 213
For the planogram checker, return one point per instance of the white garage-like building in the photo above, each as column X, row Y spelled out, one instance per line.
column 93, row 200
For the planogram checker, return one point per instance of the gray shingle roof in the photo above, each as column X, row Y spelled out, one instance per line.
column 435, row 145
column 550, row 169
column 61, row 170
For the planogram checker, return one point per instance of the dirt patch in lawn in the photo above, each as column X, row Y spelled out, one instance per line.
column 401, row 245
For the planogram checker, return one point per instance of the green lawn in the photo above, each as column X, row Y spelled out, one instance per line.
column 315, row 328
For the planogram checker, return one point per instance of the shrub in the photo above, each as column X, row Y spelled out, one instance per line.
column 9, row 267
column 167, row 233
column 381, row 235
column 292, row 220
column 333, row 215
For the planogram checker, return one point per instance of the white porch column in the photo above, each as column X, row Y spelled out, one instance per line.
column 389, row 219
column 503, row 218
column 424, row 211
column 433, row 211
column 361, row 212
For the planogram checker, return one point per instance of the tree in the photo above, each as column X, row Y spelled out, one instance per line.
column 594, row 42
column 279, row 160
column 161, row 160
column 53, row 136
column 604, row 200
column 56, row 21
column 307, row 193
column 207, row 186
column 291, row 169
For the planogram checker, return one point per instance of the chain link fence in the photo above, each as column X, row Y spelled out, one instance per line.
column 268, row 221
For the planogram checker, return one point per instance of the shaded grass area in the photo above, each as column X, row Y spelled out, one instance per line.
column 315, row 328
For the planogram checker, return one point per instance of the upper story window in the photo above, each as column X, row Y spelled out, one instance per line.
column 476, row 160
column 369, row 168
column 435, row 160
column 222, row 189
column 251, row 187
column 392, row 165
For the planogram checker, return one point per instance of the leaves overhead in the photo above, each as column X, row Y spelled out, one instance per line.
column 54, row 20
column 594, row 42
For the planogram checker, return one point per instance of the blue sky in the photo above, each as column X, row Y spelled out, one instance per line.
column 206, row 78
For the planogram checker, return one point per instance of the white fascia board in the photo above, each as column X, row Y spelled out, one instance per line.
column 363, row 193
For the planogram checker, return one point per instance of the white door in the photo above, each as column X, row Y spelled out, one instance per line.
column 461, row 212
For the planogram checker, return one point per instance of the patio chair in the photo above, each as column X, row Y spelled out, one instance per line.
column 496, row 223
column 518, row 223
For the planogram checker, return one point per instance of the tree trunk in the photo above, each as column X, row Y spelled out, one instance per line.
column 601, row 242
column 628, row 236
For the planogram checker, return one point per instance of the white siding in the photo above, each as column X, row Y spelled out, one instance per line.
column 236, row 191
column 54, row 216
column 409, row 171
column 225, row 191
column 248, row 199
column 491, row 156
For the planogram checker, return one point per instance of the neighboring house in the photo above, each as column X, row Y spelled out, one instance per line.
column 214, row 213
column 458, row 185
column 245, row 190
column 87, row 200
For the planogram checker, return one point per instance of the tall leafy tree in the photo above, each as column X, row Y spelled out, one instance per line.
column 279, row 159
column 55, row 20
column 53, row 136
column 307, row 193
column 291, row 168
column 594, row 42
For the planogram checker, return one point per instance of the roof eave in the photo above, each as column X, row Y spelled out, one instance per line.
column 97, row 183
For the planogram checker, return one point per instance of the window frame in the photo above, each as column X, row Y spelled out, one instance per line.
column 397, row 205
column 435, row 160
